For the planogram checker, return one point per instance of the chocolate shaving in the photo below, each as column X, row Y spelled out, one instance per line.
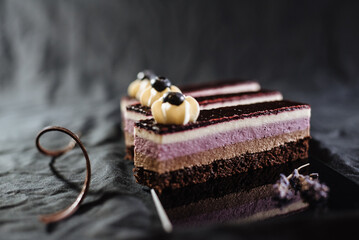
column 67, row 212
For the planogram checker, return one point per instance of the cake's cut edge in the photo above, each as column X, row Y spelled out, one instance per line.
column 129, row 153
column 223, row 114
column 217, row 188
column 288, row 152
column 164, row 161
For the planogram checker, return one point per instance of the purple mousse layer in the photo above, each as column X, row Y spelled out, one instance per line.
column 164, row 152
column 129, row 124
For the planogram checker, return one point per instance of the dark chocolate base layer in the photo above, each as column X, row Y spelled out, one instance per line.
column 217, row 188
column 130, row 153
column 223, row 168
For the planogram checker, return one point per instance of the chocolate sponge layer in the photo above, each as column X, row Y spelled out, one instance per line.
column 222, row 168
column 235, row 184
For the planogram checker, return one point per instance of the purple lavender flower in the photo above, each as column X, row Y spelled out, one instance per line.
column 282, row 189
column 313, row 192
column 309, row 187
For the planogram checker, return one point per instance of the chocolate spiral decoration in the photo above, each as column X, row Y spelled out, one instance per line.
column 65, row 213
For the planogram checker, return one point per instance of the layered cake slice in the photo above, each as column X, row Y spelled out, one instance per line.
column 221, row 87
column 199, row 90
column 137, row 87
column 222, row 142
column 137, row 112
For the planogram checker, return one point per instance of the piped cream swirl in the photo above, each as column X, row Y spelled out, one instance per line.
column 166, row 113
column 136, row 88
column 150, row 95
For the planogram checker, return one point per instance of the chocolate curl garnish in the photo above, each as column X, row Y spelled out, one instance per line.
column 65, row 213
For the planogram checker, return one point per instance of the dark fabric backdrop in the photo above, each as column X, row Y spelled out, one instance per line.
column 68, row 62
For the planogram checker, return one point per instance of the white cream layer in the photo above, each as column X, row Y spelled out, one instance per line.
column 221, row 127
column 235, row 88
column 269, row 98
column 135, row 116
column 126, row 102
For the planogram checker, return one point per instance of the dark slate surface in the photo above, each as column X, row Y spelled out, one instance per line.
column 68, row 62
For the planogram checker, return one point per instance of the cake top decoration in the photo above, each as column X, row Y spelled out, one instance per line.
column 175, row 108
column 142, row 82
column 174, row 98
column 158, row 87
column 160, row 83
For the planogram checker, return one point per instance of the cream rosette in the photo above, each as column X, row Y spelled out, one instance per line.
column 143, row 81
column 175, row 108
column 159, row 86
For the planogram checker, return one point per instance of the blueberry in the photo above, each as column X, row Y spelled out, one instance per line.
column 174, row 98
column 160, row 83
column 145, row 74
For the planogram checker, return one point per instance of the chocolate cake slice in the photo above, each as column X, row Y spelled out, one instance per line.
column 222, row 142
column 136, row 112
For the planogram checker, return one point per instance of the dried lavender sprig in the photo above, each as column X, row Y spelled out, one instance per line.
column 282, row 189
column 299, row 168
column 311, row 190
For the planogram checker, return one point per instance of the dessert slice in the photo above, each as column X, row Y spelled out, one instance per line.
column 221, row 87
column 222, row 142
column 205, row 89
column 158, row 86
column 137, row 112
column 135, row 90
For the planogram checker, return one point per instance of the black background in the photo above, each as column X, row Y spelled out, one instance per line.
column 68, row 62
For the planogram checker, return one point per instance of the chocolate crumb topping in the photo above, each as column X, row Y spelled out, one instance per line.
column 140, row 109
